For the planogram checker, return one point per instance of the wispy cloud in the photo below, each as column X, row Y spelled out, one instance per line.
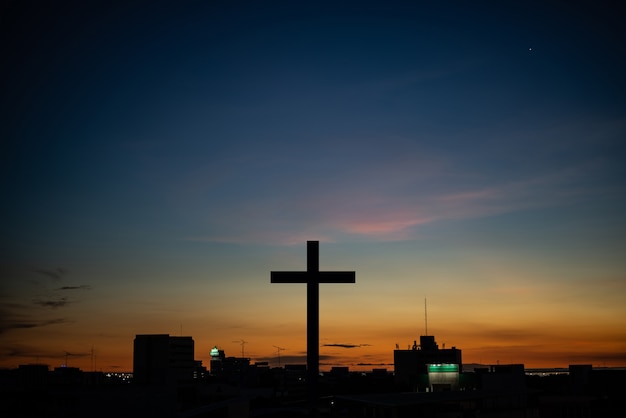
column 34, row 352
column 375, row 364
column 365, row 189
column 390, row 226
column 296, row 359
column 12, row 321
column 23, row 351
column 376, row 215
column 33, row 309
column 55, row 274
column 81, row 287
column 52, row 298
column 55, row 303
column 345, row 345
column 406, row 80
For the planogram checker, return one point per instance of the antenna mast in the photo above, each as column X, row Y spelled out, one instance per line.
column 243, row 343
column 278, row 349
column 425, row 317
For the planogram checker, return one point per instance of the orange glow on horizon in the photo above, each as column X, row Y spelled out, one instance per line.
column 367, row 353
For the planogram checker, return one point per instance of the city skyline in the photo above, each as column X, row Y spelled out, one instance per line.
column 159, row 161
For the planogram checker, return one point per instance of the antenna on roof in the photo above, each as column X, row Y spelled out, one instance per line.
column 243, row 343
column 425, row 317
column 278, row 349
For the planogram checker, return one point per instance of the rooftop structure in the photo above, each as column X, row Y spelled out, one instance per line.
column 426, row 367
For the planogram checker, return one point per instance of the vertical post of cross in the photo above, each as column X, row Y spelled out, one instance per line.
column 313, row 318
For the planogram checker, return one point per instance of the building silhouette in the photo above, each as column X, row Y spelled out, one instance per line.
column 426, row 367
column 241, row 389
column 505, row 384
column 217, row 361
column 163, row 359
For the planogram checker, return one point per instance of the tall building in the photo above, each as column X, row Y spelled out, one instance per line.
column 426, row 367
column 161, row 358
column 217, row 361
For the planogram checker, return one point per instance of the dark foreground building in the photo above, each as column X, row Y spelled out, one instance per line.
column 161, row 359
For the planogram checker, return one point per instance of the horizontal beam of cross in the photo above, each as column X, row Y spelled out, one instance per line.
column 319, row 277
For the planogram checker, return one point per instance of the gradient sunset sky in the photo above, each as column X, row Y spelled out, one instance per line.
column 158, row 160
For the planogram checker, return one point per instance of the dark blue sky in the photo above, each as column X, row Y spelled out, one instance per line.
column 152, row 140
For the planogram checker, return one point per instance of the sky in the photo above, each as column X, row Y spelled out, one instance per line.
column 160, row 159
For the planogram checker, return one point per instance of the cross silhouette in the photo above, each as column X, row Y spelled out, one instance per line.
column 313, row 277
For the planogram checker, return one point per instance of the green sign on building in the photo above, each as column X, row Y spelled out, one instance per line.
column 443, row 368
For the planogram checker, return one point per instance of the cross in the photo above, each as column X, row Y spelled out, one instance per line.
column 312, row 277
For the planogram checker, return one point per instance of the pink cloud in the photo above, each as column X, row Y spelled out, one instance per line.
column 391, row 226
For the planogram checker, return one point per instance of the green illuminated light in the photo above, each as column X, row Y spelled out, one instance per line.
column 443, row 368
